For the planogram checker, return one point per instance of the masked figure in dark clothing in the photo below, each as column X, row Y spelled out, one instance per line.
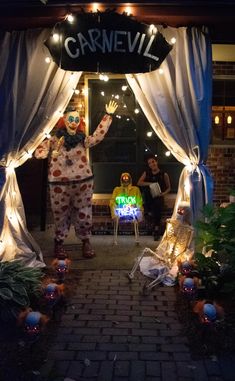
column 154, row 184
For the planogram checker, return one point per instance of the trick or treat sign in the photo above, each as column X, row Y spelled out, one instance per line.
column 107, row 42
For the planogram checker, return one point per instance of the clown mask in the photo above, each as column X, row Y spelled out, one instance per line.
column 71, row 120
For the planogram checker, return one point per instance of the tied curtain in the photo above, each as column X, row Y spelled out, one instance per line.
column 33, row 96
column 177, row 103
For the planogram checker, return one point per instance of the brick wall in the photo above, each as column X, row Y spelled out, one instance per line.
column 221, row 162
column 221, row 158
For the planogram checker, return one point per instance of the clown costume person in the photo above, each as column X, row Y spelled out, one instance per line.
column 70, row 178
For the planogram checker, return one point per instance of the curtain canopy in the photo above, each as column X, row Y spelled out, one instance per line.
column 177, row 102
column 33, row 96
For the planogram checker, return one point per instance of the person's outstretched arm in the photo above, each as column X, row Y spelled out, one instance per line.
column 103, row 127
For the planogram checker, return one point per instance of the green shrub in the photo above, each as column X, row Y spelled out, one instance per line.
column 216, row 232
column 18, row 284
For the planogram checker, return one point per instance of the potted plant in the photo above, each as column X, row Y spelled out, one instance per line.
column 18, row 285
column 215, row 248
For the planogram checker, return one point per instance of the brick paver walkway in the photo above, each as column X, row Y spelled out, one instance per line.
column 112, row 332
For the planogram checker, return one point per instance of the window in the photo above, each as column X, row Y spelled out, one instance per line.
column 129, row 138
column 223, row 109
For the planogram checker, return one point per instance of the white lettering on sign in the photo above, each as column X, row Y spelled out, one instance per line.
column 146, row 52
column 117, row 41
column 107, row 41
column 68, row 49
column 131, row 46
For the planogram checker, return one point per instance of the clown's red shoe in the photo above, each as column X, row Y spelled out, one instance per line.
column 59, row 251
column 87, row 251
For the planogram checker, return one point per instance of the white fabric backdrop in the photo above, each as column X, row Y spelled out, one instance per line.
column 177, row 104
column 33, row 96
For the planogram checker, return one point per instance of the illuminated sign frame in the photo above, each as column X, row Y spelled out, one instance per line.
column 107, row 42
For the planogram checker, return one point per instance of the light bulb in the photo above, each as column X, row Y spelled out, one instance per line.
column 56, row 37
column 173, row 40
column 70, row 18
column 128, row 11
column 152, row 29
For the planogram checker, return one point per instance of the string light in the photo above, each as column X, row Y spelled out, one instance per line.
column 152, row 29
column 85, row 92
column 10, row 169
column 29, row 154
column 124, row 88
column 70, row 18
column 47, row 135
column 136, row 111
column 56, row 37
column 161, row 71
column 76, row 91
column 173, row 40
column 128, row 11
column 102, row 93
column 47, row 60
column 168, row 153
column 95, row 7
column 103, row 77
column 149, row 134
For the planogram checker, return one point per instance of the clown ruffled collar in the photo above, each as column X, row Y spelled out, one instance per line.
column 70, row 141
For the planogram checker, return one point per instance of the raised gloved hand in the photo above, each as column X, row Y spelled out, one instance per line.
column 55, row 153
column 111, row 107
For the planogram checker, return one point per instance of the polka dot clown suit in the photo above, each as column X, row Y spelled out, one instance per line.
column 71, row 179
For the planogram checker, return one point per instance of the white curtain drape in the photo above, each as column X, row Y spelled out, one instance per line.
column 177, row 102
column 33, row 96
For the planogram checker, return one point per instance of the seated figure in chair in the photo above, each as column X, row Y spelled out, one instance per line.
column 126, row 204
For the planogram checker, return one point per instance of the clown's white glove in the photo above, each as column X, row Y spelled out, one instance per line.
column 111, row 107
column 55, row 153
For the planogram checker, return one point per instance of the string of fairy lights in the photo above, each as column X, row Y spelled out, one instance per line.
column 70, row 18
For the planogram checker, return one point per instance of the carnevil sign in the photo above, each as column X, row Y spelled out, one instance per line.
column 107, row 42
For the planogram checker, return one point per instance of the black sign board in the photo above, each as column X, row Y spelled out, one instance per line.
column 107, row 42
